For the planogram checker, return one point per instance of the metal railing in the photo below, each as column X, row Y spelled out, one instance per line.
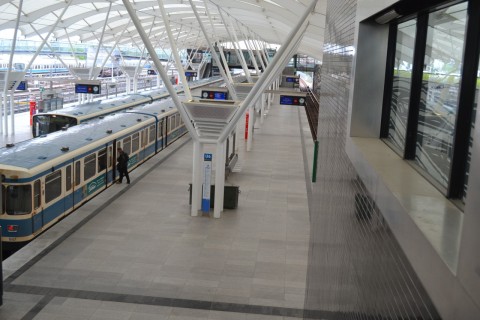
column 311, row 107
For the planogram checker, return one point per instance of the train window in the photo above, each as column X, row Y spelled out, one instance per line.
column 171, row 124
column 18, row 199
column 37, row 199
column 160, row 129
column 110, row 157
column 77, row 173
column 151, row 134
column 68, row 178
column 127, row 145
column 144, row 138
column 177, row 121
column 53, row 186
column 135, row 142
column 89, row 168
column 102, row 160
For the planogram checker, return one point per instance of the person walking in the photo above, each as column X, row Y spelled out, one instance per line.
column 122, row 165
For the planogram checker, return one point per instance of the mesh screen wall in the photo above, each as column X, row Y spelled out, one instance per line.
column 356, row 268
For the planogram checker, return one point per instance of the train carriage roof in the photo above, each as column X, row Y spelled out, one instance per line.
column 32, row 153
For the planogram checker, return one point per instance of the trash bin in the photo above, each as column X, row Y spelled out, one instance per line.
column 230, row 196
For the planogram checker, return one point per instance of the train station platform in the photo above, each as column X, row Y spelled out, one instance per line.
column 134, row 251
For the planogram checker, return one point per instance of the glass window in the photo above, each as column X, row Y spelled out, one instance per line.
column 102, row 160
column 440, row 87
column 53, row 186
column 402, row 80
column 37, row 198
column 127, row 145
column 89, row 167
column 77, row 173
column 474, row 112
column 18, row 199
column 68, row 178
column 135, row 142
column 110, row 156
column 151, row 134
column 160, row 129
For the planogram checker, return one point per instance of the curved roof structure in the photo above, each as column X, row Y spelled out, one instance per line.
column 108, row 22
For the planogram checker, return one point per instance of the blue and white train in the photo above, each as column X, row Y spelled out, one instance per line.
column 48, row 122
column 46, row 178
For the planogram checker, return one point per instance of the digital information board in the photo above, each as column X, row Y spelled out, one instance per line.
column 87, row 88
column 292, row 79
column 215, row 95
column 190, row 73
column 292, row 100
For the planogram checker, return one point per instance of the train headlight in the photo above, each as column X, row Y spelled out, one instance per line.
column 12, row 228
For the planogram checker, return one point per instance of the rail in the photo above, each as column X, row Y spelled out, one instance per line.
column 311, row 108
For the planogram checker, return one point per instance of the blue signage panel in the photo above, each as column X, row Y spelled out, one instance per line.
column 292, row 100
column 216, row 95
column 87, row 88
column 190, row 73
column 220, row 96
column 291, row 79
column 207, row 175
column 22, row 86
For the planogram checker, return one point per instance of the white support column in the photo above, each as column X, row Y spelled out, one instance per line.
column 219, row 179
column 229, row 84
column 262, row 109
column 9, row 68
column 234, row 40
column 247, row 44
column 225, row 63
column 100, row 42
column 173, row 45
column 196, row 178
column 270, row 73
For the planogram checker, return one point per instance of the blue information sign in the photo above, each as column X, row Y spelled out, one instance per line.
column 22, row 86
column 87, row 88
column 207, row 176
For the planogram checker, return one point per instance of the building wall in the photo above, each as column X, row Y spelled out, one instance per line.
column 357, row 269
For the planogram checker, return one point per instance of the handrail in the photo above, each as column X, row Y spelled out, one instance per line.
column 312, row 106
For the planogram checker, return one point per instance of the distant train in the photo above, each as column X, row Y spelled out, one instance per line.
column 36, row 69
column 45, row 179
column 48, row 122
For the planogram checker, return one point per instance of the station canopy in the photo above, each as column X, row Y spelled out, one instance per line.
column 108, row 22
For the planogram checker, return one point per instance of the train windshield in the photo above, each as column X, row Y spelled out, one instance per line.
column 45, row 124
column 18, row 199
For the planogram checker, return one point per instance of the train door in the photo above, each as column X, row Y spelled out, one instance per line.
column 37, row 219
column 143, row 144
column 117, row 145
column 102, row 164
column 69, row 188
column 110, row 164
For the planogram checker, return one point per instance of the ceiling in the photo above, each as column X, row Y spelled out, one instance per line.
column 269, row 21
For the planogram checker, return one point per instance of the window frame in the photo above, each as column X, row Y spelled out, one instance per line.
column 466, row 97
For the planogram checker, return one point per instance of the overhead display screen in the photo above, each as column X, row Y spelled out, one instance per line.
column 190, row 73
column 292, row 100
column 87, row 88
column 215, row 95
column 291, row 79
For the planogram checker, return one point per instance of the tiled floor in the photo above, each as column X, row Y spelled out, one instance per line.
column 140, row 255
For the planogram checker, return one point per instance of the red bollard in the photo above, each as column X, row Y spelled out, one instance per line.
column 33, row 105
column 246, row 125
